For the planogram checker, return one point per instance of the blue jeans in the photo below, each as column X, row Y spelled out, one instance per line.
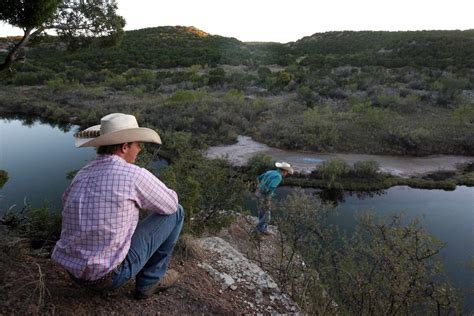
column 150, row 250
column 264, row 213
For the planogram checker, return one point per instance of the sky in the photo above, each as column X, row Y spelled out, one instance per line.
column 289, row 20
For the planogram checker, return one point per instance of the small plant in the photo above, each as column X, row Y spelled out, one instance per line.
column 39, row 224
column 333, row 170
column 37, row 288
column 43, row 224
column 367, row 169
column 3, row 178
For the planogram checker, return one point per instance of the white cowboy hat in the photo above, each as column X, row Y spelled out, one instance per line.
column 284, row 166
column 115, row 128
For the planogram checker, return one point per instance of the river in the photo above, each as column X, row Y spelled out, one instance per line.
column 37, row 157
column 238, row 154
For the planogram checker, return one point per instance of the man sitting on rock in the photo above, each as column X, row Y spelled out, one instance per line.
column 267, row 184
column 102, row 244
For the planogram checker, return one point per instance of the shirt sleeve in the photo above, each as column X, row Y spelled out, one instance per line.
column 154, row 195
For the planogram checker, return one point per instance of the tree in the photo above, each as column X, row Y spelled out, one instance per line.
column 216, row 76
column 75, row 21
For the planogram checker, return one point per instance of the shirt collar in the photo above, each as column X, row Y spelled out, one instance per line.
column 112, row 157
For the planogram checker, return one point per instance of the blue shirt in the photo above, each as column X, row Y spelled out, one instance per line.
column 268, row 182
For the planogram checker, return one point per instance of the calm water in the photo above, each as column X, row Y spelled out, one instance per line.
column 38, row 157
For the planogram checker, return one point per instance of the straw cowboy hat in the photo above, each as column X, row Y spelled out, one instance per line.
column 115, row 128
column 285, row 166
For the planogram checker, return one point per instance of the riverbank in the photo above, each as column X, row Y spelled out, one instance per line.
column 433, row 172
column 303, row 162
column 445, row 180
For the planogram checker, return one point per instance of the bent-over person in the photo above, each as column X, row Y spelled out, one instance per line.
column 103, row 244
column 266, row 186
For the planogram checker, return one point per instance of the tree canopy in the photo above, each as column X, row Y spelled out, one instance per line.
column 28, row 14
column 75, row 22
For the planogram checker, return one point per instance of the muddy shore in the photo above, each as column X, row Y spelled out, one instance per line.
column 403, row 166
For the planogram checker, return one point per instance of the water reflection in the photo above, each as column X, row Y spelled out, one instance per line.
column 30, row 121
column 335, row 196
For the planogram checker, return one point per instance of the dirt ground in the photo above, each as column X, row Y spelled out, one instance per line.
column 30, row 283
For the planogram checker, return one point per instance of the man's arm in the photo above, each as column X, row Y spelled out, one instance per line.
column 154, row 195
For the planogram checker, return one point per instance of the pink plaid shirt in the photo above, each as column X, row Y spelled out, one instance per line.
column 100, row 214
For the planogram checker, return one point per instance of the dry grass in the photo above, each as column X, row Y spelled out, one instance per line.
column 37, row 289
column 188, row 247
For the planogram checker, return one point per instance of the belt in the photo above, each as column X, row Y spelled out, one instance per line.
column 100, row 284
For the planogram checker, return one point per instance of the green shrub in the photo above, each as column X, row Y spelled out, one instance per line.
column 258, row 164
column 27, row 79
column 306, row 95
column 367, row 169
column 464, row 114
column 55, row 84
column 333, row 170
column 208, row 189
column 184, row 96
column 3, row 178
column 116, row 82
column 140, row 76
column 41, row 225
column 216, row 76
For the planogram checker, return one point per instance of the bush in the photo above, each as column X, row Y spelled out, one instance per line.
column 333, row 170
column 3, row 178
column 263, row 73
column 184, row 96
column 216, row 76
column 117, row 82
column 41, row 225
column 306, row 95
column 27, row 79
column 464, row 114
column 140, row 76
column 365, row 169
column 258, row 164
column 55, row 84
column 390, row 268
column 208, row 189
column 439, row 175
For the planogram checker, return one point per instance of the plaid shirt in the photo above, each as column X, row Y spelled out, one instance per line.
column 100, row 214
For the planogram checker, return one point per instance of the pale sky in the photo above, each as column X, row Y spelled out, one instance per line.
column 289, row 20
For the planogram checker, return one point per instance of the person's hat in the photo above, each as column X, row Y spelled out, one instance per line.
column 285, row 166
column 115, row 128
